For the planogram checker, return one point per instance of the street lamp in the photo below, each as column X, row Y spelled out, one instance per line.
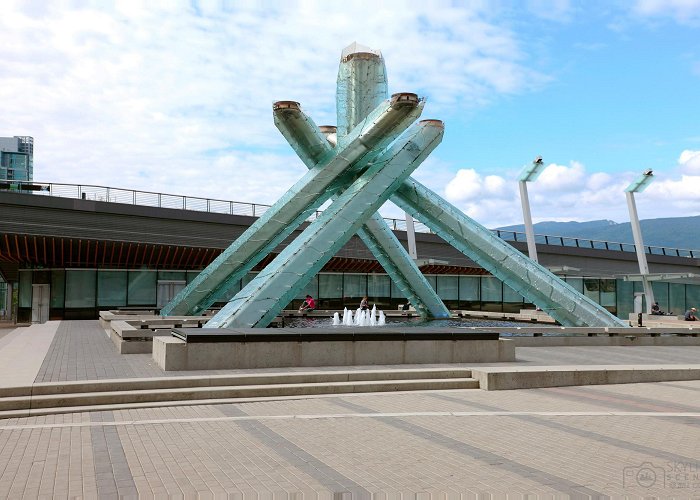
column 637, row 187
column 529, row 174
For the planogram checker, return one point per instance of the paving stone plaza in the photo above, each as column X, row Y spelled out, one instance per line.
column 632, row 440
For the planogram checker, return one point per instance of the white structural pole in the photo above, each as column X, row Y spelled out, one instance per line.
column 527, row 219
column 411, row 235
column 639, row 247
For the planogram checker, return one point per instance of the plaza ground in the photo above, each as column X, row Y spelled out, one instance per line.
column 634, row 440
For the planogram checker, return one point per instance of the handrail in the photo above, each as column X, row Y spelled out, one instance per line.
column 212, row 205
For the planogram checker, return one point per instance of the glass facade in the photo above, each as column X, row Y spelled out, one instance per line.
column 16, row 158
column 15, row 167
column 82, row 293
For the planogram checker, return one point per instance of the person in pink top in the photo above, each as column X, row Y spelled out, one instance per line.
column 308, row 305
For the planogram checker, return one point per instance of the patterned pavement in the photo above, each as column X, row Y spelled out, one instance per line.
column 82, row 351
column 614, row 441
column 636, row 440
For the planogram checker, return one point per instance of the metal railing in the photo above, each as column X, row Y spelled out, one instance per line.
column 179, row 202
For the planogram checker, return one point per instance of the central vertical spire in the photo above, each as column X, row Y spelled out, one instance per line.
column 361, row 86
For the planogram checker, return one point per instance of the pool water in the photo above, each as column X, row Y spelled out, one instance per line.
column 394, row 322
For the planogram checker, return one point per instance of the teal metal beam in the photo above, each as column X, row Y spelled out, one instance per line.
column 311, row 145
column 367, row 140
column 529, row 279
column 264, row 297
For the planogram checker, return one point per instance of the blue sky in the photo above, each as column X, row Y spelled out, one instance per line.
column 176, row 97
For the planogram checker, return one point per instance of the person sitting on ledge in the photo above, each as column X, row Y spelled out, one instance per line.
column 308, row 305
column 656, row 310
column 690, row 314
column 364, row 304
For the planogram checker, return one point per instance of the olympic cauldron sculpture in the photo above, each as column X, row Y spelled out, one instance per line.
column 360, row 164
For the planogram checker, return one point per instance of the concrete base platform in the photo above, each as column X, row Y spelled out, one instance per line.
column 171, row 353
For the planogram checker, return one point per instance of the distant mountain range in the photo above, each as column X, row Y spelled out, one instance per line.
column 672, row 232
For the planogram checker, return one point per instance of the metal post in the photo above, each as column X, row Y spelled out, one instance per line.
column 639, row 247
column 527, row 219
column 529, row 174
column 411, row 235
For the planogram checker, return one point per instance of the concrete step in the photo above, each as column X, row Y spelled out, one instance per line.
column 286, row 377
column 231, row 392
column 99, row 395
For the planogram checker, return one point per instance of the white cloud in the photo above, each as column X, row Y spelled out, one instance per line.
column 561, row 178
column 144, row 94
column 570, row 193
column 682, row 11
column 689, row 162
column 469, row 186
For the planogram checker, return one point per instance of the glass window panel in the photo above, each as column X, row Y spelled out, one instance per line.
column 692, row 296
column 142, row 288
column 625, row 298
column 191, row 275
column 310, row 289
column 41, row 277
column 591, row 289
column 448, row 287
column 511, row 296
column 111, row 288
column 661, row 294
column 80, row 288
column 379, row 286
column 639, row 288
column 172, row 275
column 58, row 286
column 355, row 285
column 330, row 286
column 25, row 289
column 676, row 298
column 491, row 289
column 469, row 288
column 608, row 293
column 575, row 283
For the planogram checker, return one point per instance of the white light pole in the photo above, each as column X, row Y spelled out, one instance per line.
column 411, row 236
column 529, row 174
column 637, row 187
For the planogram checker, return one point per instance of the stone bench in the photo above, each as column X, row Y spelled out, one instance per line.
column 135, row 336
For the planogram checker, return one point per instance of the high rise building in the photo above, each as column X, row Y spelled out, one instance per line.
column 17, row 158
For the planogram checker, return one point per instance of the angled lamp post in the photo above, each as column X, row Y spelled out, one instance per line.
column 637, row 187
column 529, row 174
